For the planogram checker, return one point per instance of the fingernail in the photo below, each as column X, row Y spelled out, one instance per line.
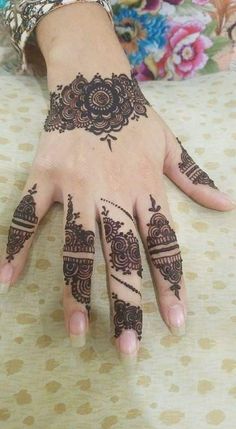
column 177, row 320
column 228, row 198
column 128, row 346
column 5, row 278
column 77, row 329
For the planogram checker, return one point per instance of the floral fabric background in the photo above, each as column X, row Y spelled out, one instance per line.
column 163, row 39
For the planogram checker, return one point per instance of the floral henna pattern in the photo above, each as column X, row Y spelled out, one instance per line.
column 163, row 248
column 23, row 225
column 77, row 260
column 126, row 316
column 101, row 106
column 188, row 167
column 125, row 254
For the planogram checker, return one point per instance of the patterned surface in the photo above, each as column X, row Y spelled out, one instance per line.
column 183, row 382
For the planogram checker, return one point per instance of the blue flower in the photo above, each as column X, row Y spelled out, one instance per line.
column 140, row 33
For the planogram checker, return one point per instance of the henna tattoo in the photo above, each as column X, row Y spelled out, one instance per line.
column 125, row 254
column 188, row 167
column 127, row 285
column 77, row 265
column 126, row 316
column 101, row 106
column 163, row 248
column 119, row 207
column 23, row 224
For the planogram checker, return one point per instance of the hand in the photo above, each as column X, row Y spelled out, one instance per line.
column 114, row 177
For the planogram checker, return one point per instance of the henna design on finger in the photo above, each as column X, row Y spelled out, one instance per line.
column 23, row 225
column 163, row 248
column 126, row 316
column 188, row 167
column 125, row 254
column 127, row 285
column 101, row 106
column 77, row 260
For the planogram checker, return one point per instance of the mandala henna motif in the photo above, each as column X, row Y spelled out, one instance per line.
column 188, row 167
column 23, row 224
column 77, row 260
column 101, row 106
column 125, row 254
column 163, row 248
column 126, row 316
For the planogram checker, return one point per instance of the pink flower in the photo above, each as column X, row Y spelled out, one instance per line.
column 201, row 2
column 186, row 46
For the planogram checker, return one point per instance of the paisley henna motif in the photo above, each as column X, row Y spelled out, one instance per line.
column 77, row 260
column 126, row 316
column 23, row 224
column 101, row 106
column 163, row 248
column 125, row 254
column 188, row 167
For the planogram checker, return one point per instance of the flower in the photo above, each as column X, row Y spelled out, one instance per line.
column 140, row 33
column 201, row 2
column 185, row 53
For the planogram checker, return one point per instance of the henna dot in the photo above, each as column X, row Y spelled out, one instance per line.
column 84, row 408
column 115, row 399
column 32, row 287
column 25, row 319
column 133, row 413
column 60, row 408
column 29, row 420
column 170, row 417
column 88, row 354
column 19, row 184
column 19, row 340
column 57, row 315
column 51, row 364
column 43, row 341
column 13, row 366
column 206, row 343
column 109, row 421
column 51, row 238
column 218, row 284
column 215, row 417
column 213, row 309
column 4, row 414
column 43, row 264
column 228, row 365
column 52, row 386
column 204, row 386
column 23, row 397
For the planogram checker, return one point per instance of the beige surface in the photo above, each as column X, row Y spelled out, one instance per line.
column 184, row 383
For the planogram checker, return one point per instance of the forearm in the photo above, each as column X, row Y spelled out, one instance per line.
column 80, row 38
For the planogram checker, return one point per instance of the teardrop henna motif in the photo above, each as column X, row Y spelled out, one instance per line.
column 77, row 266
column 188, row 167
column 23, row 224
column 101, row 106
column 163, row 248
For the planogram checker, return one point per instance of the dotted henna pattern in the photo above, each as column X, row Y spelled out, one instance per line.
column 101, row 106
column 163, row 248
column 188, row 167
column 23, row 224
column 77, row 260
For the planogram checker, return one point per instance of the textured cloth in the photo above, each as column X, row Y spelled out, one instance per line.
column 179, row 383
column 163, row 39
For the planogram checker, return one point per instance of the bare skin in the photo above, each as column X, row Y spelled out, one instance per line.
column 144, row 151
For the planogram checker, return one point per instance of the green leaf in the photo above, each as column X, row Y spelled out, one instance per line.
column 219, row 44
column 210, row 67
column 210, row 28
column 115, row 8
